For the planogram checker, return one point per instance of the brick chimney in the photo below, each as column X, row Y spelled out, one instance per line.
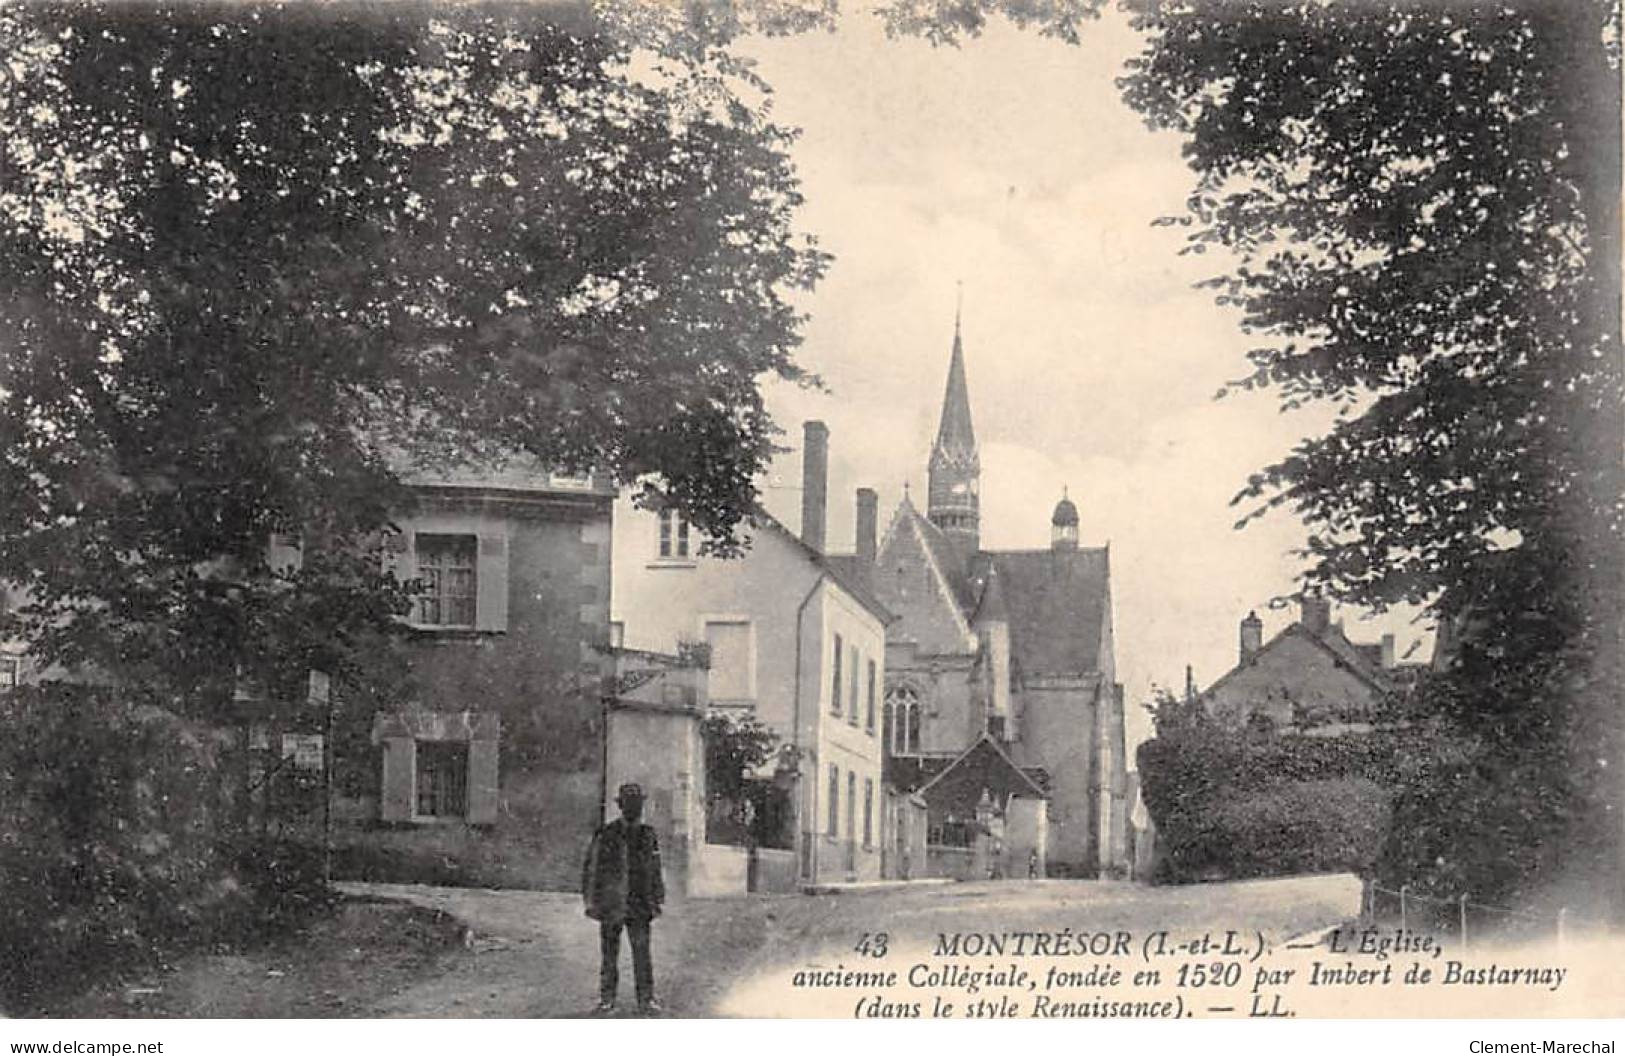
column 1252, row 635
column 814, row 483
column 868, row 522
column 1316, row 614
column 1388, row 657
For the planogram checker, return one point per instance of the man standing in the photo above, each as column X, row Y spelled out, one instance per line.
column 623, row 888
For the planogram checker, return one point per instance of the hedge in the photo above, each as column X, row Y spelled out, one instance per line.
column 1230, row 804
column 115, row 849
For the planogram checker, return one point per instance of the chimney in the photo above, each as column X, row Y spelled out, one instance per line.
column 868, row 507
column 814, row 483
column 1388, row 659
column 1252, row 635
column 1316, row 614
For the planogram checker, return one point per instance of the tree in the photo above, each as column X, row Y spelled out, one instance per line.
column 1421, row 204
column 256, row 261
column 734, row 749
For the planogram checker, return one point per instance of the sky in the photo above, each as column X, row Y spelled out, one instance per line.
column 1012, row 166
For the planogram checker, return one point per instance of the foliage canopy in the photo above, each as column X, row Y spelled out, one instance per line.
column 255, row 262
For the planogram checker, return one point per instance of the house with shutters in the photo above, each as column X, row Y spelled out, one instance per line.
column 794, row 641
column 488, row 770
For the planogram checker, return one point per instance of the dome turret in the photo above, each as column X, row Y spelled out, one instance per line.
column 1064, row 524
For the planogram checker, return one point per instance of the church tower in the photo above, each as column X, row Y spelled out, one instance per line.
column 953, row 503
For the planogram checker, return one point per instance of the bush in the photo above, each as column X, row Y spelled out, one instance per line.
column 1302, row 827
column 109, row 851
column 1232, row 803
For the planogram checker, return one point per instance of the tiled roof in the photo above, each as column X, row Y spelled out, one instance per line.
column 1057, row 602
column 506, row 473
column 992, row 607
column 988, row 752
column 841, row 568
column 946, row 557
column 1343, row 651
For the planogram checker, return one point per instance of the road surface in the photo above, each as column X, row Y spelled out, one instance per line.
column 535, row 954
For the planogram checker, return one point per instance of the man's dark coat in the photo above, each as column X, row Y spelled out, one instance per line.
column 621, row 879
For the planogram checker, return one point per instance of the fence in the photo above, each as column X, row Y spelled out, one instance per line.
column 1455, row 914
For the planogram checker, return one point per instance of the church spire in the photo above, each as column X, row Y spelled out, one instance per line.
column 955, row 470
column 955, row 432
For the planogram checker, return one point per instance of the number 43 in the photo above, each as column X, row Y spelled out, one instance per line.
column 872, row 945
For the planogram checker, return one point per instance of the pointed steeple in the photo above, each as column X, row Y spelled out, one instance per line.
column 955, row 432
column 953, row 503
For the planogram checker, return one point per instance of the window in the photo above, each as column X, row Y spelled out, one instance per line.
column 903, row 720
column 446, row 565
column 442, row 785
column 9, row 672
column 869, row 705
column 852, row 697
column 834, row 801
column 730, row 676
column 868, row 811
column 835, row 685
column 673, row 535
column 851, row 801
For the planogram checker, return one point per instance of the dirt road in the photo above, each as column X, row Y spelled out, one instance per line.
column 534, row 954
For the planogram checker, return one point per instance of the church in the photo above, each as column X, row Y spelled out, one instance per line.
column 1002, row 709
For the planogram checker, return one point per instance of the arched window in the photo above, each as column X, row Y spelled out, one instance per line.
column 903, row 720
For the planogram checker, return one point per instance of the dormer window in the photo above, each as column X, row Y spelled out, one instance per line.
column 673, row 535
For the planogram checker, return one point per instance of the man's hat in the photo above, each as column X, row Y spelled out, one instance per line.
column 630, row 790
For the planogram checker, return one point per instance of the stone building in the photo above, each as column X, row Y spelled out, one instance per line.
column 1308, row 678
column 1011, row 646
column 489, row 769
column 794, row 640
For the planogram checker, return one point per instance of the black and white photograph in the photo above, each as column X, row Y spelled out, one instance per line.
column 1052, row 511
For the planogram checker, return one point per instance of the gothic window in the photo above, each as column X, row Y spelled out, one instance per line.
column 903, row 720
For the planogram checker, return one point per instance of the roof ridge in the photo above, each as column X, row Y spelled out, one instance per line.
column 962, row 756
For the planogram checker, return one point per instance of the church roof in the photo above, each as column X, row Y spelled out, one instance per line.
column 955, row 433
column 992, row 608
column 1057, row 602
column 945, row 556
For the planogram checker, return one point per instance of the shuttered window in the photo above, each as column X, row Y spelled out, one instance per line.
column 835, row 682
column 834, row 801
column 447, row 567
column 731, row 660
column 868, row 811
